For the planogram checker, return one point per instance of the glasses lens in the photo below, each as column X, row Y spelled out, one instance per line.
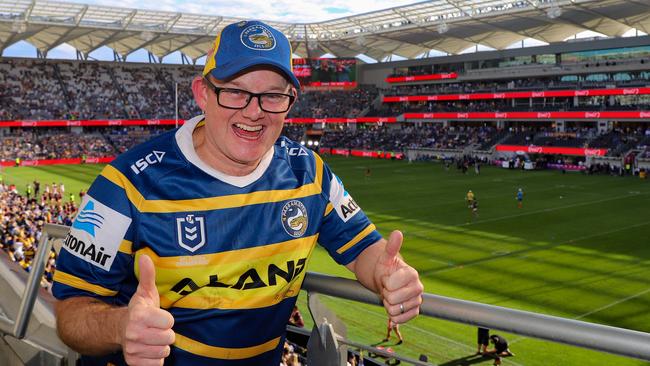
column 233, row 98
column 275, row 103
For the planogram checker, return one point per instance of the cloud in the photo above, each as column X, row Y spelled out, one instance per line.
column 306, row 11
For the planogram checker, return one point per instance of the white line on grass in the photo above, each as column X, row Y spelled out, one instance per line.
column 620, row 301
column 570, row 241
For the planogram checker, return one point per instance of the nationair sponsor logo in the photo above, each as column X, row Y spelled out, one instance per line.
column 258, row 37
column 96, row 233
column 294, row 218
column 343, row 203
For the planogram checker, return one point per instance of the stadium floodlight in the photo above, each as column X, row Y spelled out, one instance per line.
column 443, row 28
column 19, row 26
column 554, row 12
column 146, row 36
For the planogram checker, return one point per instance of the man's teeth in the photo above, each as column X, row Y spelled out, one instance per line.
column 249, row 128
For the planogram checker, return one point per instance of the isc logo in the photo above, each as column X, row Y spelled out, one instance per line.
column 153, row 157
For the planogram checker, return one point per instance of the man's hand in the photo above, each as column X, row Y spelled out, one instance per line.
column 147, row 329
column 398, row 283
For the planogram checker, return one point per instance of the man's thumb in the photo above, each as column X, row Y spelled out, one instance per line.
column 147, row 286
column 394, row 244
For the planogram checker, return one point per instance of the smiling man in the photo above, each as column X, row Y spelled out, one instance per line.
column 203, row 249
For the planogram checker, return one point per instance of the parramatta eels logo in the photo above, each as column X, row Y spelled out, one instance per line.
column 294, row 218
column 258, row 37
column 87, row 220
column 190, row 232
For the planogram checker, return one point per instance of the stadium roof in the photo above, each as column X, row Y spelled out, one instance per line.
column 450, row 26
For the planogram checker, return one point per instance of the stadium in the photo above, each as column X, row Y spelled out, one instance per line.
column 538, row 108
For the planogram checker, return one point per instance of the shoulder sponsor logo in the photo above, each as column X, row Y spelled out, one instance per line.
column 294, row 218
column 343, row 203
column 96, row 233
column 190, row 232
column 87, row 219
column 153, row 157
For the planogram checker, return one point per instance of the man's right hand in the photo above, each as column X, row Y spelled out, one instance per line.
column 147, row 329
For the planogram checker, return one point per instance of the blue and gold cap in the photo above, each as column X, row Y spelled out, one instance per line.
column 245, row 44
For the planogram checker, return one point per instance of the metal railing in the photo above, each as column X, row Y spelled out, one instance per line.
column 598, row 337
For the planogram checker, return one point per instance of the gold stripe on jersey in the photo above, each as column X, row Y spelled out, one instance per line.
column 237, row 279
column 328, row 208
column 81, row 284
column 365, row 232
column 213, row 203
column 126, row 247
column 223, row 353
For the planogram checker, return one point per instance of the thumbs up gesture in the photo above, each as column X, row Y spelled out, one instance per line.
column 146, row 328
column 398, row 283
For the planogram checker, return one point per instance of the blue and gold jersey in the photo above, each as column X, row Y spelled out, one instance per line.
column 230, row 252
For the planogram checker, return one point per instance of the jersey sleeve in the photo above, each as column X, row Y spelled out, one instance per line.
column 96, row 256
column 345, row 230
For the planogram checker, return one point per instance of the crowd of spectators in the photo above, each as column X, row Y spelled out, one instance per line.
column 398, row 138
column 52, row 144
column 23, row 216
column 56, row 143
column 334, row 103
column 47, row 89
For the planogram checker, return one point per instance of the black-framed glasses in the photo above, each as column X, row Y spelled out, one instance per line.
column 233, row 98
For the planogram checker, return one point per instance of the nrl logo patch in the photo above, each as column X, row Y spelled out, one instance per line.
column 294, row 218
column 190, row 232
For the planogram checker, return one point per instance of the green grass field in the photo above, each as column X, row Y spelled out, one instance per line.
column 579, row 248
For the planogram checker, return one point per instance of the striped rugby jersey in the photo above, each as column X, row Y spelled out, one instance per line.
column 230, row 252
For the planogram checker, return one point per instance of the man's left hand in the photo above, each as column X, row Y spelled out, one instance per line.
column 398, row 283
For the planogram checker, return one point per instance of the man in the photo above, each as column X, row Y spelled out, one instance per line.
column 197, row 256
column 483, row 340
column 392, row 326
column 469, row 198
column 500, row 348
column 520, row 198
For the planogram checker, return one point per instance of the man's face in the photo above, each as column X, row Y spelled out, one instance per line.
column 237, row 139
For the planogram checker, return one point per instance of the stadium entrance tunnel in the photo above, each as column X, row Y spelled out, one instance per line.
column 28, row 327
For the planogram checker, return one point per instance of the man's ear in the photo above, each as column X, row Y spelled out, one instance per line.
column 293, row 92
column 200, row 92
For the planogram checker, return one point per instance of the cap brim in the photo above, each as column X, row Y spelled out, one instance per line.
column 225, row 72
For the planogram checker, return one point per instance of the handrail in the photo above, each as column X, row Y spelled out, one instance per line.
column 598, row 337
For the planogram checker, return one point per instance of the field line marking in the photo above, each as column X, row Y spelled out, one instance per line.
column 614, row 303
column 569, row 241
